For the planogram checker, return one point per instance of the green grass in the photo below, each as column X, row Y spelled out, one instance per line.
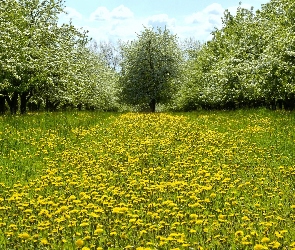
column 200, row 180
column 28, row 142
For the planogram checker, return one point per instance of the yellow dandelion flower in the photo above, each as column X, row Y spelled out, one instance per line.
column 193, row 216
column 245, row 218
column 213, row 195
column 239, row 233
column 44, row 242
column 275, row 244
column 278, row 235
column 98, row 231
column 79, row 243
column 84, row 224
column 260, row 247
column 85, row 248
column 265, row 240
column 24, row 236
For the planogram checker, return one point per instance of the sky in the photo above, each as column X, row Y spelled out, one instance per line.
column 111, row 20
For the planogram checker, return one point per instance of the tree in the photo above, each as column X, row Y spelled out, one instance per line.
column 150, row 68
column 29, row 43
column 44, row 62
column 108, row 52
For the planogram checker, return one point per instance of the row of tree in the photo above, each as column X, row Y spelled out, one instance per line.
column 248, row 63
column 43, row 63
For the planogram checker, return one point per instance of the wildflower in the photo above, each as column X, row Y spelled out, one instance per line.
column 239, row 234
column 275, row 244
column 24, row 236
column 79, row 243
column 84, row 224
column 98, row 231
column 265, row 240
column 260, row 247
column 44, row 242
column 245, row 218
column 278, row 235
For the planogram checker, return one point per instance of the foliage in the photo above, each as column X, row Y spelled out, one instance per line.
column 150, row 68
column 202, row 180
column 44, row 62
column 248, row 63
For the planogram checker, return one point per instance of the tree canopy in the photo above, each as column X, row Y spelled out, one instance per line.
column 248, row 63
column 150, row 68
column 46, row 63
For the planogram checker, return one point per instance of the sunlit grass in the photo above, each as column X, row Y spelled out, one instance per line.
column 207, row 180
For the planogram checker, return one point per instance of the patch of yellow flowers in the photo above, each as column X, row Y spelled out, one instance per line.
column 154, row 181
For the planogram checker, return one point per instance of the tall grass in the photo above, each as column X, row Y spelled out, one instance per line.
column 202, row 180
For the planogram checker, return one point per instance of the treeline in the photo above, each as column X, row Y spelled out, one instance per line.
column 44, row 65
column 248, row 63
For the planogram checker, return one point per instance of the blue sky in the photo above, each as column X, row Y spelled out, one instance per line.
column 122, row 19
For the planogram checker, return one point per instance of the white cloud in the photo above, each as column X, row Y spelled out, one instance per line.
column 100, row 14
column 73, row 14
column 161, row 21
column 103, row 14
column 209, row 18
column 202, row 23
column 121, row 12
column 121, row 23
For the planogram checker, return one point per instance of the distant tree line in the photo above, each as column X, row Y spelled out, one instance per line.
column 248, row 63
column 45, row 65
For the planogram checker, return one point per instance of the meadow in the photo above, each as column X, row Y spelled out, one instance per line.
column 201, row 180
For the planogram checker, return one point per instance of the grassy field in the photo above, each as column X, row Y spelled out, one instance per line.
column 205, row 180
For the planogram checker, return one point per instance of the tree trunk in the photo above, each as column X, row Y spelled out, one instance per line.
column 13, row 103
column 153, row 105
column 23, row 102
column 2, row 104
column 51, row 106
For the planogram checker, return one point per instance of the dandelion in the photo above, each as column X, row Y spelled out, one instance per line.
column 84, row 224
column 275, row 244
column 265, row 240
column 44, row 242
column 98, row 231
column 239, row 234
column 24, row 236
column 79, row 243
column 278, row 235
column 245, row 218
column 260, row 247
